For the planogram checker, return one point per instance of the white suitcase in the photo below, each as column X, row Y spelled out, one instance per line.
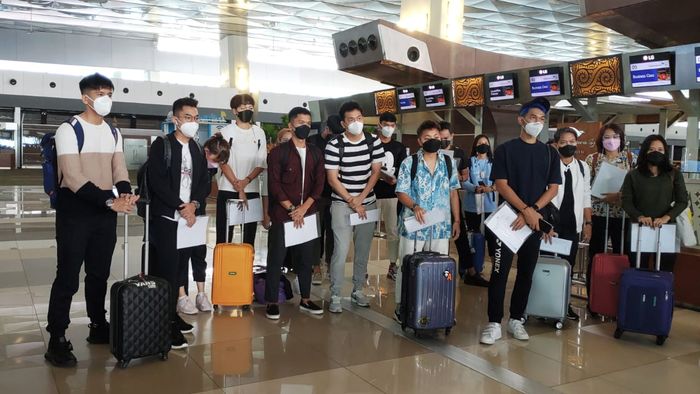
column 550, row 291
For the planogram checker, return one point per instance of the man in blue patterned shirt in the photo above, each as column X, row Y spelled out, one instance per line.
column 431, row 191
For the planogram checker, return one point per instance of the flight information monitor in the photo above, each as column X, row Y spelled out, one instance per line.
column 547, row 82
column 654, row 69
column 503, row 87
column 434, row 96
column 407, row 99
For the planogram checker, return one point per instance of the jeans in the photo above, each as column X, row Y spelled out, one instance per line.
column 343, row 233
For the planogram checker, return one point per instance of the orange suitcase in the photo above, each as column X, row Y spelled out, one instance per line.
column 232, row 283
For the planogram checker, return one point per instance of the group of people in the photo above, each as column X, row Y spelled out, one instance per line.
column 341, row 171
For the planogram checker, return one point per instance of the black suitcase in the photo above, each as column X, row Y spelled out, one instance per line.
column 140, row 322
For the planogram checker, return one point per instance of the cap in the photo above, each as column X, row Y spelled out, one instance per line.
column 539, row 103
column 333, row 123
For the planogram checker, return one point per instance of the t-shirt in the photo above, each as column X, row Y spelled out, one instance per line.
column 529, row 168
column 394, row 154
column 461, row 159
column 356, row 166
column 248, row 151
column 302, row 155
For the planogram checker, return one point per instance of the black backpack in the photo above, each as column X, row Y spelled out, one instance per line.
column 142, row 182
column 414, row 168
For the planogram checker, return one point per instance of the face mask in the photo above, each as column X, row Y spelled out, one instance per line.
column 534, row 129
column 189, row 129
column 387, row 131
column 355, row 128
column 444, row 144
column 567, row 150
column 611, row 144
column 656, row 158
column 432, row 146
column 102, row 105
column 245, row 116
column 483, row 148
column 302, row 131
column 283, row 140
column 212, row 164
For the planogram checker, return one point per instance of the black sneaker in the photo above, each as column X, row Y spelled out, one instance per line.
column 60, row 353
column 310, row 307
column 177, row 340
column 571, row 315
column 272, row 312
column 591, row 313
column 99, row 333
column 397, row 314
column 183, row 326
column 475, row 280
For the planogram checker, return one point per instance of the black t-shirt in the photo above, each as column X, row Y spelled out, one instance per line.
column 461, row 156
column 394, row 154
column 529, row 168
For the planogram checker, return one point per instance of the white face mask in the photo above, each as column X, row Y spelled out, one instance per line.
column 355, row 128
column 189, row 129
column 102, row 105
column 534, row 128
column 387, row 131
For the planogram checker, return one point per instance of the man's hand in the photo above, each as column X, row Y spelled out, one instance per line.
column 420, row 214
column 122, row 205
column 131, row 198
column 298, row 214
column 518, row 223
column 241, row 184
column 361, row 212
column 243, row 204
column 646, row 221
column 480, row 189
column 532, row 218
column 455, row 230
column 587, row 231
column 187, row 211
column 266, row 222
column 661, row 221
column 354, row 202
column 547, row 237
column 612, row 198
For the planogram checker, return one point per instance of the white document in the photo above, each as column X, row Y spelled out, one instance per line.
column 499, row 223
column 372, row 216
column 431, row 218
column 196, row 235
column 608, row 180
column 237, row 214
column 648, row 244
column 307, row 232
column 559, row 246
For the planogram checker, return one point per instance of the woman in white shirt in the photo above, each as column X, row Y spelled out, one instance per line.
column 247, row 160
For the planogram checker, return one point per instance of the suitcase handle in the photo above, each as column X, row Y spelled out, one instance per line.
column 607, row 225
column 430, row 245
column 657, row 233
column 228, row 203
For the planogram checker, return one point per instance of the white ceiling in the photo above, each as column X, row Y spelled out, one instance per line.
column 544, row 29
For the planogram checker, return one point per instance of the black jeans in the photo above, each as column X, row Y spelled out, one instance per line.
column 598, row 242
column 198, row 256
column 325, row 242
column 169, row 262
column 224, row 233
column 503, row 258
column 303, row 255
column 88, row 238
column 462, row 245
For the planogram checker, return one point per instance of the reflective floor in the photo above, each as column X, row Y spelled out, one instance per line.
column 359, row 351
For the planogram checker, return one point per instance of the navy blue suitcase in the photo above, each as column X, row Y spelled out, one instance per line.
column 646, row 300
column 477, row 241
column 428, row 292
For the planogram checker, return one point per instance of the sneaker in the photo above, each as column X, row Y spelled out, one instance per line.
column 475, row 280
column 571, row 315
column 491, row 334
column 60, row 353
column 185, row 305
column 335, row 306
column 590, row 312
column 99, row 333
column 202, row 302
column 272, row 312
column 360, row 299
column 310, row 307
column 317, row 278
column 397, row 314
column 177, row 340
column 516, row 328
column 183, row 326
column 392, row 272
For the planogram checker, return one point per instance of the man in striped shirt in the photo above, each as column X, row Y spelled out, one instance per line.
column 353, row 164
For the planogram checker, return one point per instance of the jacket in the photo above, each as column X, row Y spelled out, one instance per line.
column 581, row 188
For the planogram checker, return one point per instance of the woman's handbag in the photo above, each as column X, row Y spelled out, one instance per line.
column 684, row 228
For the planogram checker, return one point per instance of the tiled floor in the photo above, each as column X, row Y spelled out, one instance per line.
column 358, row 351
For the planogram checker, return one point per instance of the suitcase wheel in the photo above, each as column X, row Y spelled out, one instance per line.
column 618, row 333
column 246, row 307
column 559, row 325
column 164, row 356
column 403, row 327
column 216, row 306
column 660, row 339
column 448, row 330
column 123, row 363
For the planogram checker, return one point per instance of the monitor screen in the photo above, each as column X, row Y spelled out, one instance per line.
column 546, row 82
column 654, row 69
column 503, row 87
column 697, row 64
column 407, row 99
column 434, row 96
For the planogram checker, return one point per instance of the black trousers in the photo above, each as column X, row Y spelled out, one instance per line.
column 224, row 233
column 325, row 243
column 169, row 263
column 198, row 255
column 462, row 245
column 503, row 259
column 303, row 255
column 598, row 241
column 81, row 238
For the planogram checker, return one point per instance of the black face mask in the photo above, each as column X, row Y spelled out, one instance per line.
column 444, row 144
column 302, row 131
column 432, row 146
column 567, row 150
column 245, row 116
column 483, row 148
column 656, row 158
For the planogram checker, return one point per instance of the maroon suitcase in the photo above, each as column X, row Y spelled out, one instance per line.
column 606, row 273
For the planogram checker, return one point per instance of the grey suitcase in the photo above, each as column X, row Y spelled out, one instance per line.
column 550, row 291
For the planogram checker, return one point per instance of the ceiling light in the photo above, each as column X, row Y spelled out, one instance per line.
column 623, row 99
column 663, row 96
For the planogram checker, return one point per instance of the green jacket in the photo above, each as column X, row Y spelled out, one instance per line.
column 644, row 195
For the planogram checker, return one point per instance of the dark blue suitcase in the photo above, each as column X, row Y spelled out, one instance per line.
column 428, row 292
column 646, row 300
column 477, row 241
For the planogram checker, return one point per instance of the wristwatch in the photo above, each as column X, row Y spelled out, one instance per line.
column 196, row 204
column 109, row 203
column 535, row 207
column 414, row 207
column 588, row 223
column 291, row 208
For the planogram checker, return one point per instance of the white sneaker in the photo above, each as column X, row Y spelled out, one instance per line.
column 317, row 278
column 335, row 306
column 359, row 298
column 491, row 334
column 203, row 303
column 185, row 305
column 516, row 328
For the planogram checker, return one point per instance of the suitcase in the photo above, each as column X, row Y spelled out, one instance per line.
column 551, row 290
column 428, row 292
column 232, row 278
column 646, row 299
column 606, row 271
column 477, row 242
column 139, row 311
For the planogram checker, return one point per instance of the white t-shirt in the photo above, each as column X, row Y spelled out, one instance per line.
column 248, row 151
column 185, row 178
column 302, row 154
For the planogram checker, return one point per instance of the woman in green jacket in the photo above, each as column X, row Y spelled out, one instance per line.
column 654, row 193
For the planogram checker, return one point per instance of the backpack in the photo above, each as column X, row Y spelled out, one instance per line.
column 142, row 182
column 49, row 164
column 369, row 140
